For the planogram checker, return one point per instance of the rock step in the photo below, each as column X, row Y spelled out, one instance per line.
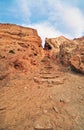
column 43, row 123
column 45, row 73
column 49, row 77
column 49, row 73
column 48, row 67
column 40, row 128
column 49, row 81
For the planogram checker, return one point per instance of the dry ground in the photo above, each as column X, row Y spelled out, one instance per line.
column 45, row 99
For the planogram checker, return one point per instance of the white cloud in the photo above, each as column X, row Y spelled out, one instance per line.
column 24, row 9
column 74, row 20
column 46, row 30
column 71, row 17
column 61, row 17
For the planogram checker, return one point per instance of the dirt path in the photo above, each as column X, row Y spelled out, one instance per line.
column 46, row 99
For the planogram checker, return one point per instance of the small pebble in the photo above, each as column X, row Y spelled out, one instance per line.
column 25, row 87
column 39, row 86
column 62, row 100
column 50, row 97
column 79, row 87
column 55, row 109
column 45, row 111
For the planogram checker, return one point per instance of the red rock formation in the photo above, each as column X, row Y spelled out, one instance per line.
column 52, row 47
column 69, row 52
column 36, row 93
column 21, row 49
column 66, row 51
column 77, row 60
column 17, row 43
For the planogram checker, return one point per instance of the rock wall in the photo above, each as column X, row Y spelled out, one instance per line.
column 70, row 53
column 21, row 50
column 20, row 47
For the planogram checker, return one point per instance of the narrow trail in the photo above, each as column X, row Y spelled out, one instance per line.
column 47, row 99
column 49, row 73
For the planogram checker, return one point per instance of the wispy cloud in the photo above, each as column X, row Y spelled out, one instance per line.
column 45, row 30
column 52, row 18
column 24, row 9
column 71, row 17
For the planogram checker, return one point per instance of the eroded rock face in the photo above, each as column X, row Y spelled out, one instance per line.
column 20, row 47
column 77, row 60
column 69, row 52
column 52, row 46
column 67, row 49
column 54, row 43
column 36, row 93
column 72, row 54
column 21, row 35
column 79, row 40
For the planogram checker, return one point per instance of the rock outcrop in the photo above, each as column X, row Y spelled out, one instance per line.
column 72, row 54
column 77, row 59
column 69, row 52
column 54, row 43
column 52, row 46
column 38, row 91
column 67, row 49
column 20, row 47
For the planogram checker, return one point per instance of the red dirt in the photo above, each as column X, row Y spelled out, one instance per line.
column 37, row 92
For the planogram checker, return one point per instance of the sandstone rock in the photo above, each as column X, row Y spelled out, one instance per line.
column 79, row 87
column 3, row 76
column 79, row 40
column 54, row 43
column 55, row 109
column 58, row 47
column 16, row 43
column 23, row 36
column 62, row 100
column 66, row 51
column 72, row 54
column 77, row 60
column 18, row 64
column 43, row 123
column 33, row 62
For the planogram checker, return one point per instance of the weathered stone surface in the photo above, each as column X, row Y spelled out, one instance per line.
column 43, row 123
column 23, row 36
column 52, row 46
column 77, row 60
column 66, row 51
column 17, row 43
column 54, row 43
column 36, row 93
column 79, row 40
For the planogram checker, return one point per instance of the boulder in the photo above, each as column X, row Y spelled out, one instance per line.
column 43, row 123
column 77, row 60
column 66, row 51
column 17, row 43
column 54, row 43
column 52, row 46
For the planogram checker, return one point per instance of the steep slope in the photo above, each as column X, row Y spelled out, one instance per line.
column 69, row 52
column 20, row 47
column 37, row 90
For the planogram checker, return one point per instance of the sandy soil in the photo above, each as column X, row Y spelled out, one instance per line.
column 49, row 98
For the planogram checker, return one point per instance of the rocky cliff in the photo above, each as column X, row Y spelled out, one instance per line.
column 69, row 52
column 40, row 88
column 20, row 47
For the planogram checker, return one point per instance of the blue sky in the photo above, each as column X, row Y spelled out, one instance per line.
column 51, row 18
